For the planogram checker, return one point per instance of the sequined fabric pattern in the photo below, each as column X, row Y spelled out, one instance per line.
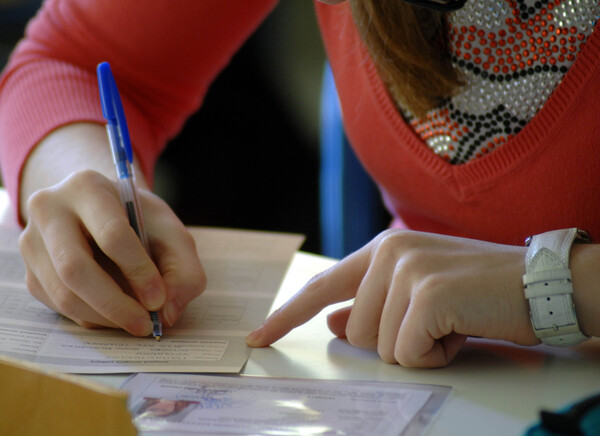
column 513, row 54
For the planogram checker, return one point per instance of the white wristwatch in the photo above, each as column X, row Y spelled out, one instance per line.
column 548, row 287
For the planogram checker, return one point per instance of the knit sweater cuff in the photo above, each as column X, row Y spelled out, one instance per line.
column 39, row 97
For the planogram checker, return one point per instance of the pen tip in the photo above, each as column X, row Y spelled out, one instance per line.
column 157, row 338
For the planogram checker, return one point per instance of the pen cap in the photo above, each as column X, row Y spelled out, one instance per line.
column 112, row 107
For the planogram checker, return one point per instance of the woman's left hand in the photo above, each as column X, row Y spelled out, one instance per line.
column 417, row 298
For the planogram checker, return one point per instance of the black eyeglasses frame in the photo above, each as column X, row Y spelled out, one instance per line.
column 438, row 5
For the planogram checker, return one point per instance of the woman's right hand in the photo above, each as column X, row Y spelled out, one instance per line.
column 85, row 261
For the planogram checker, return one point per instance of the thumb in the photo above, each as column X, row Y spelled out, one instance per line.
column 337, row 320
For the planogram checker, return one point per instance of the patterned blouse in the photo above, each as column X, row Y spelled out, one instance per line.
column 512, row 54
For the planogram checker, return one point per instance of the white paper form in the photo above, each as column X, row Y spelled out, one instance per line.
column 244, row 271
column 279, row 406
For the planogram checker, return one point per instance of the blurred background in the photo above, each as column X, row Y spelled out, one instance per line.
column 257, row 134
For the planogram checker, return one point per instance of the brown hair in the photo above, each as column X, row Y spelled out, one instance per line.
column 409, row 46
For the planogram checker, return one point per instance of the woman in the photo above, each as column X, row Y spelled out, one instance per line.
column 476, row 124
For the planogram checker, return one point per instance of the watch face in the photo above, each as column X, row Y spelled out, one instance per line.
column 439, row 5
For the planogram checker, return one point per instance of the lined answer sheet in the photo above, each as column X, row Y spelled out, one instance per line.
column 244, row 271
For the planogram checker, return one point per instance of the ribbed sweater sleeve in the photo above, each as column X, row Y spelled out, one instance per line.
column 164, row 56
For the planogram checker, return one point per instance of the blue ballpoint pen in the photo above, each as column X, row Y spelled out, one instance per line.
column 118, row 136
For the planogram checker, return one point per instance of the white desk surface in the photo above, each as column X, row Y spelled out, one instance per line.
column 498, row 388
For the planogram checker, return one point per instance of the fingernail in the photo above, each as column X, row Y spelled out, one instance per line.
column 252, row 339
column 171, row 312
column 154, row 297
column 141, row 327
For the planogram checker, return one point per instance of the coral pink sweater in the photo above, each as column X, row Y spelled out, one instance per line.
column 546, row 177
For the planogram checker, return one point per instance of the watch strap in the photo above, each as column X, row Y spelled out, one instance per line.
column 549, row 289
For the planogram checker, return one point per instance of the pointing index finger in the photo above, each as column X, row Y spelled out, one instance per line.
column 336, row 284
